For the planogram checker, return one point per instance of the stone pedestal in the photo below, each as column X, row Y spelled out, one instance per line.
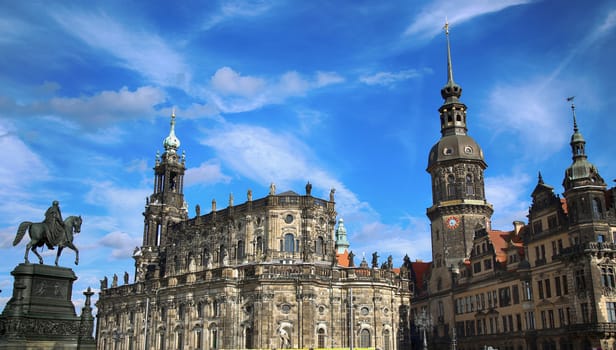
column 41, row 314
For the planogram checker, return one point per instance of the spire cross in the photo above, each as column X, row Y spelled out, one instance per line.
column 570, row 99
column 449, row 67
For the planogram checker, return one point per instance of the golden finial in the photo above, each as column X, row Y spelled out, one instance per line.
column 173, row 113
column 446, row 26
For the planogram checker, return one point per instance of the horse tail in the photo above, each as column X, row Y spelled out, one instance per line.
column 21, row 231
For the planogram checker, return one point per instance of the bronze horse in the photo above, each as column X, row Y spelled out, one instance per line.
column 38, row 237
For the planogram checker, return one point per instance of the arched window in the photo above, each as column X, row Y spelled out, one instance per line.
column 259, row 244
column 470, row 188
column 248, row 338
column 364, row 338
column 240, row 249
column 289, row 243
column 321, row 338
column 451, row 182
column 319, row 246
column 214, row 337
column 596, row 208
column 222, row 253
column 386, row 340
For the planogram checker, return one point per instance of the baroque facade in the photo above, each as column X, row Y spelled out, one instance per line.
column 272, row 272
column 546, row 285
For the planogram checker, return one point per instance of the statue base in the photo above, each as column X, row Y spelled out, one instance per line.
column 41, row 314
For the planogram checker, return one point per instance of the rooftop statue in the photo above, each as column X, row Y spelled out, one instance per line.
column 52, row 232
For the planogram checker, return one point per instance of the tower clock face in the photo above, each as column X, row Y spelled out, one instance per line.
column 452, row 222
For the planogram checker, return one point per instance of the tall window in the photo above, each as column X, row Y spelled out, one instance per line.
column 199, row 339
column 451, row 188
column 289, row 243
column 180, row 342
column 387, row 340
column 611, row 312
column 364, row 338
column 584, row 309
column 259, row 244
column 319, row 245
column 240, row 249
column 607, row 277
column 580, row 280
column 214, row 337
column 596, row 208
column 321, row 338
column 470, row 188
column 248, row 338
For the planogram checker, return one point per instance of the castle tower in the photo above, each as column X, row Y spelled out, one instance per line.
column 585, row 193
column 459, row 207
column 165, row 205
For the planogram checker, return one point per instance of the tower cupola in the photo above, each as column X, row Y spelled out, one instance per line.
column 581, row 172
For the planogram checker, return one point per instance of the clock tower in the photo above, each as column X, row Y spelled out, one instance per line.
column 459, row 207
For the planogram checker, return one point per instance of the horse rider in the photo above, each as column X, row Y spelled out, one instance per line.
column 54, row 225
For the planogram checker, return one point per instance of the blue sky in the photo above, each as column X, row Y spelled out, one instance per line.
column 343, row 94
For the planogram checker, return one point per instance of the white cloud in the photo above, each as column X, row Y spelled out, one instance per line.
column 91, row 112
column 533, row 123
column 228, row 82
column 509, row 196
column 18, row 158
column 123, row 206
column 411, row 237
column 390, row 78
column 263, row 156
column 206, row 173
column 233, row 92
column 429, row 21
column 237, row 9
column 121, row 244
column 135, row 48
column 328, row 78
column 107, row 106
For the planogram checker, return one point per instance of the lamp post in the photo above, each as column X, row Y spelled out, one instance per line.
column 424, row 321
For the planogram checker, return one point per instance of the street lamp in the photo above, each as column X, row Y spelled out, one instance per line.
column 424, row 321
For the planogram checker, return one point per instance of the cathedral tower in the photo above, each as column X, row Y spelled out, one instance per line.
column 165, row 205
column 585, row 193
column 459, row 207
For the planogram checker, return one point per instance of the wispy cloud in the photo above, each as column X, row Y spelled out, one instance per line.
column 509, row 196
column 595, row 34
column 134, row 48
column 429, row 21
column 233, row 92
column 92, row 112
column 19, row 159
column 258, row 154
column 120, row 243
column 391, row 78
column 206, row 173
column 237, row 9
column 119, row 205
column 533, row 123
column 411, row 236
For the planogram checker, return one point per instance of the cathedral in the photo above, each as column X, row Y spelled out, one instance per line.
column 272, row 272
column 548, row 284
column 277, row 272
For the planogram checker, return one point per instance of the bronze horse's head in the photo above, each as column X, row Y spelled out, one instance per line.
column 77, row 224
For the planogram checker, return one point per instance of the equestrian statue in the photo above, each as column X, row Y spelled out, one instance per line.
column 52, row 232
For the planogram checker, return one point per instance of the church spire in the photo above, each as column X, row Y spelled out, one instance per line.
column 171, row 142
column 451, row 91
column 581, row 172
